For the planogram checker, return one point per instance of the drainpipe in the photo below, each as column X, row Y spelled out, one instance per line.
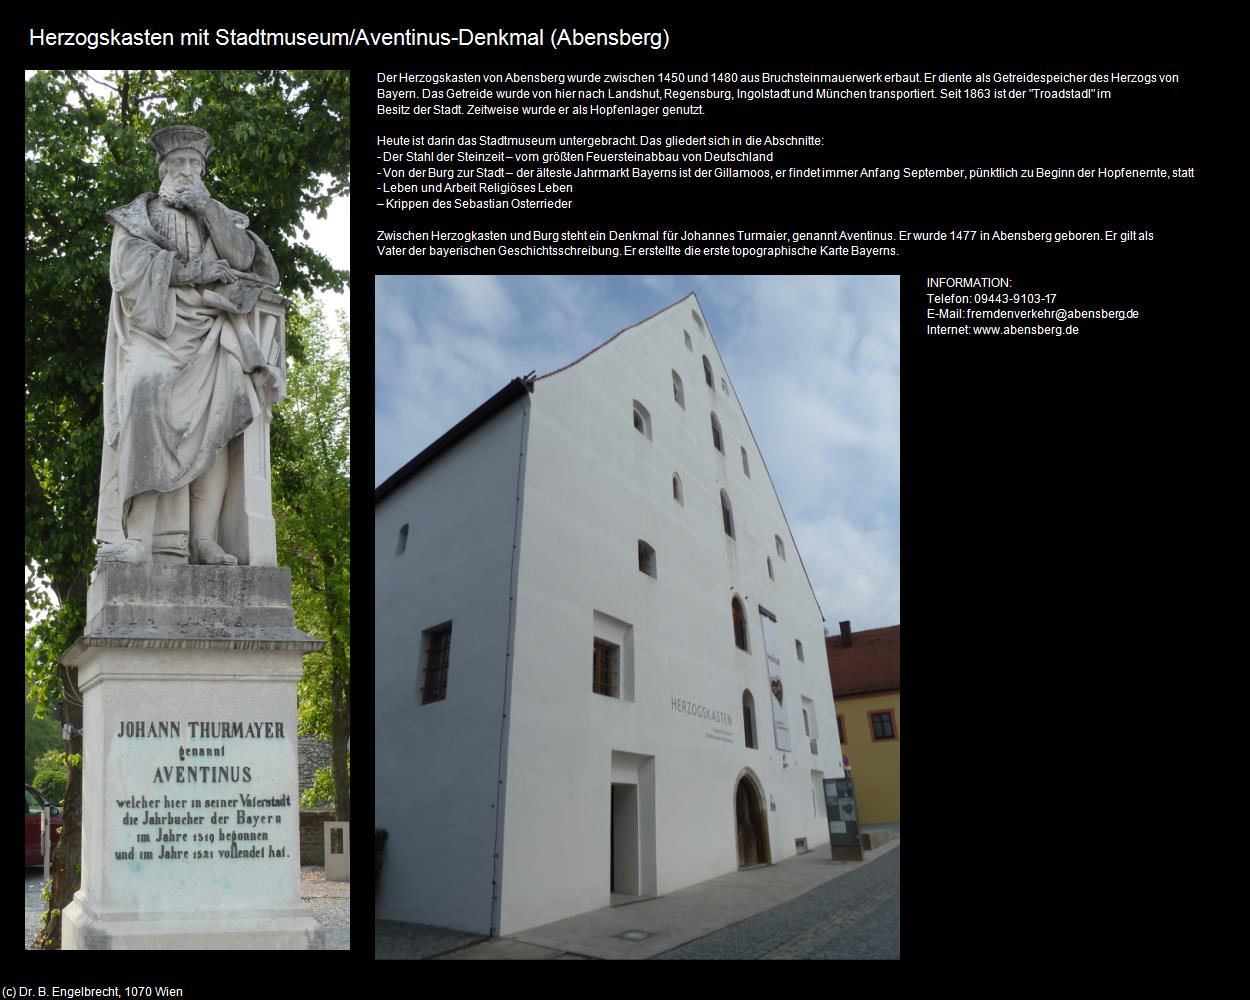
column 496, row 880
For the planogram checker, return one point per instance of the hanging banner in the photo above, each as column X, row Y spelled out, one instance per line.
column 772, row 655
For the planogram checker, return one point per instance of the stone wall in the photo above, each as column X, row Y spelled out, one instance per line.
column 312, row 838
column 314, row 754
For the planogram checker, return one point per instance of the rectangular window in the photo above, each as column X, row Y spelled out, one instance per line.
column 646, row 558
column 607, row 668
column 437, row 659
column 841, row 730
column 881, row 724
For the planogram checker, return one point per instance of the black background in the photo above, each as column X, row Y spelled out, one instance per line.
column 1040, row 490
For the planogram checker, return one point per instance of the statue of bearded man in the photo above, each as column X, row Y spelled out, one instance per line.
column 183, row 371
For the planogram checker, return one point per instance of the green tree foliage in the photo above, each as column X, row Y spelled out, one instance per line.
column 322, row 788
column 41, row 734
column 51, row 775
column 282, row 151
column 311, row 478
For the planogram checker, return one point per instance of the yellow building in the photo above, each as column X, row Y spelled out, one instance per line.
column 864, row 671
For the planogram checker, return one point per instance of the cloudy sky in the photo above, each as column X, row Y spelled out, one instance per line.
column 814, row 361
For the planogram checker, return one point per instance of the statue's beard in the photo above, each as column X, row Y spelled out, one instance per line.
column 173, row 195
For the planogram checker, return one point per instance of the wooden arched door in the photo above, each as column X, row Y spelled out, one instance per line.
column 752, row 825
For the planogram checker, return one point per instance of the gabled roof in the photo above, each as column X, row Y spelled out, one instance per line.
column 520, row 386
column 621, row 333
column 759, row 451
column 870, row 663
column 504, row 398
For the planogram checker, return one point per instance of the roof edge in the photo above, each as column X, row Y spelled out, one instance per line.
column 892, row 689
column 505, row 397
column 633, row 326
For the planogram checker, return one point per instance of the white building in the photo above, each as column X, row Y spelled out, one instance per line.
column 582, row 589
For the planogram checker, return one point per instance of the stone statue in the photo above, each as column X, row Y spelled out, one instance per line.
column 185, row 372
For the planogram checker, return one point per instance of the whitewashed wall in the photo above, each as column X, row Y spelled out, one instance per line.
column 437, row 764
column 594, row 487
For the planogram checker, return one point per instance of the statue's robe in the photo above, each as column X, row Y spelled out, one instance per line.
column 183, row 372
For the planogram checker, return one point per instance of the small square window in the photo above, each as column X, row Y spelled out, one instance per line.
column 607, row 668
column 881, row 725
column 437, row 643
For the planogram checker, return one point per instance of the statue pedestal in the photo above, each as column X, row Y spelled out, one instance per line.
column 190, row 823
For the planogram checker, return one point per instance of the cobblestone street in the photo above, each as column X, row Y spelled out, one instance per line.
column 852, row 917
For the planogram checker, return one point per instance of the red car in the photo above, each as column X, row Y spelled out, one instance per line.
column 34, row 806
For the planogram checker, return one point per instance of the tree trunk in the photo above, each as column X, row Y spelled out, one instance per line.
column 340, row 731
column 66, row 866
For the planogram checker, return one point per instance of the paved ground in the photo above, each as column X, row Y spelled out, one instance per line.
column 329, row 902
column 34, row 905
column 852, row 917
column 393, row 939
column 794, row 909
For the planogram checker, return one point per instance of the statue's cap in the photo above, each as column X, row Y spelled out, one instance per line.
column 175, row 137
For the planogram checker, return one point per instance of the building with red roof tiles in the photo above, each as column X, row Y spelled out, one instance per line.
column 864, row 671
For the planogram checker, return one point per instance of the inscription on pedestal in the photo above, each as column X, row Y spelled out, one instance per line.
column 197, row 792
